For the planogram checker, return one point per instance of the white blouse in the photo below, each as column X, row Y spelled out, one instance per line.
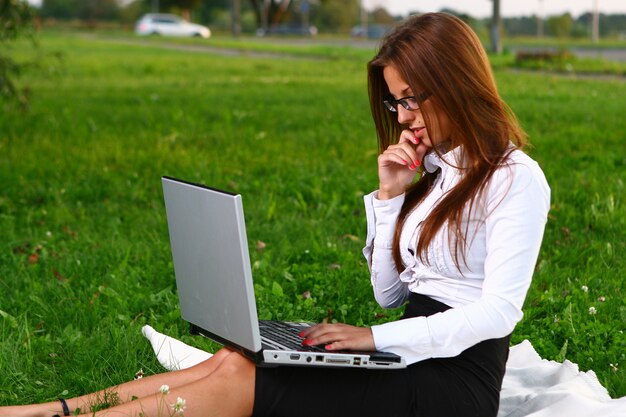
column 487, row 293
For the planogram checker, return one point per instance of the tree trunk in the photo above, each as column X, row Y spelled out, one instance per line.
column 496, row 25
column 236, row 18
column 595, row 23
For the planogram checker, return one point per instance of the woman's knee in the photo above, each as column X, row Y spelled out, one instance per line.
column 208, row 366
column 236, row 366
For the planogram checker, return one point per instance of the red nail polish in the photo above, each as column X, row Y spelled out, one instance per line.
column 404, row 162
column 301, row 334
column 306, row 342
column 328, row 347
column 417, row 163
column 412, row 166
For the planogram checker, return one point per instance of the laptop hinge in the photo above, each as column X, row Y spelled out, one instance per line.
column 255, row 357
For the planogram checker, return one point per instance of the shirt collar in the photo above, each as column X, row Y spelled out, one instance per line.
column 449, row 159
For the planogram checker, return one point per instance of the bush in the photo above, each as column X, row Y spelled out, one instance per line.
column 16, row 20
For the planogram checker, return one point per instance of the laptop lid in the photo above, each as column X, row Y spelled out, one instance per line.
column 207, row 233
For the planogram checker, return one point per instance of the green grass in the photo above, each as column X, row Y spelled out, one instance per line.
column 563, row 62
column 564, row 42
column 342, row 47
column 84, row 254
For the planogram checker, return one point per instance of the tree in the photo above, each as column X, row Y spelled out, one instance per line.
column 185, row 6
column 60, row 9
column 91, row 10
column 269, row 12
column 131, row 11
column 16, row 20
column 337, row 15
column 560, row 26
column 382, row 16
column 523, row 25
column 496, row 27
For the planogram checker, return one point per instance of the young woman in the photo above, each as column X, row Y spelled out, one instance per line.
column 454, row 229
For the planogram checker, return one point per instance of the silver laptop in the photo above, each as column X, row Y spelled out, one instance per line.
column 215, row 288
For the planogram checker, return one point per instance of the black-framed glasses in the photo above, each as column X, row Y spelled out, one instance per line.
column 409, row 102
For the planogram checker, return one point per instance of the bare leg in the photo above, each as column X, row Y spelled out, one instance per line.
column 226, row 392
column 128, row 391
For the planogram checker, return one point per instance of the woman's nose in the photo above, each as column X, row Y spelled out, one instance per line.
column 405, row 116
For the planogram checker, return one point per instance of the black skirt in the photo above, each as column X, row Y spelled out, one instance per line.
column 466, row 385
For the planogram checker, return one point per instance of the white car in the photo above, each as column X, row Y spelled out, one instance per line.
column 169, row 25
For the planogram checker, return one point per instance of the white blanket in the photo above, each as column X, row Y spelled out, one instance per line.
column 532, row 386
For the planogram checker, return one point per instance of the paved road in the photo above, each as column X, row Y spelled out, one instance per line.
column 611, row 54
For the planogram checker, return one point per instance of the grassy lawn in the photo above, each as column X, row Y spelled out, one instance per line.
column 84, row 254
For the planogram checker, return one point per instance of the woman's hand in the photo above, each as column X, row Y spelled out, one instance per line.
column 339, row 337
column 397, row 165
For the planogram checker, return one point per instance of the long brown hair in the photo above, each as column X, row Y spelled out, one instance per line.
column 439, row 54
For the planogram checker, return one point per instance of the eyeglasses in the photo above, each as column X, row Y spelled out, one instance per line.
column 409, row 102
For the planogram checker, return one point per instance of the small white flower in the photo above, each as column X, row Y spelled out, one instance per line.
column 584, row 288
column 602, row 298
column 165, row 389
column 592, row 310
column 48, row 233
column 613, row 366
column 179, row 405
column 139, row 374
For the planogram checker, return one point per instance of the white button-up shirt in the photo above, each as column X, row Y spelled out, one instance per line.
column 487, row 291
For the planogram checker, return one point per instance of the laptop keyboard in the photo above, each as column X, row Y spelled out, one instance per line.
column 285, row 334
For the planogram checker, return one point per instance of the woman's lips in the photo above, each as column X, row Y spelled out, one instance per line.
column 419, row 132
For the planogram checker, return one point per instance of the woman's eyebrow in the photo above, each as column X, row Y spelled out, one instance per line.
column 403, row 93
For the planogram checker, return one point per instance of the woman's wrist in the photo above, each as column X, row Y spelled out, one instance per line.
column 385, row 194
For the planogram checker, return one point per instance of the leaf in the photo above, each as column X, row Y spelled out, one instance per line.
column 33, row 258
column 107, row 291
column 351, row 237
column 568, row 317
column 58, row 276
column 69, row 232
column 287, row 275
column 561, row 356
column 329, row 316
column 6, row 316
column 277, row 290
column 271, row 210
column 22, row 249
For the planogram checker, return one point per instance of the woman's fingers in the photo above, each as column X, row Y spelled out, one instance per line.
column 339, row 336
column 398, row 163
column 417, row 145
column 396, row 157
column 408, row 151
column 405, row 151
column 408, row 136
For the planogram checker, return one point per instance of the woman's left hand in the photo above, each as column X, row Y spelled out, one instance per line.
column 339, row 337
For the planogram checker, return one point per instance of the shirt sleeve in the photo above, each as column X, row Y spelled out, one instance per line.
column 518, row 201
column 382, row 217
